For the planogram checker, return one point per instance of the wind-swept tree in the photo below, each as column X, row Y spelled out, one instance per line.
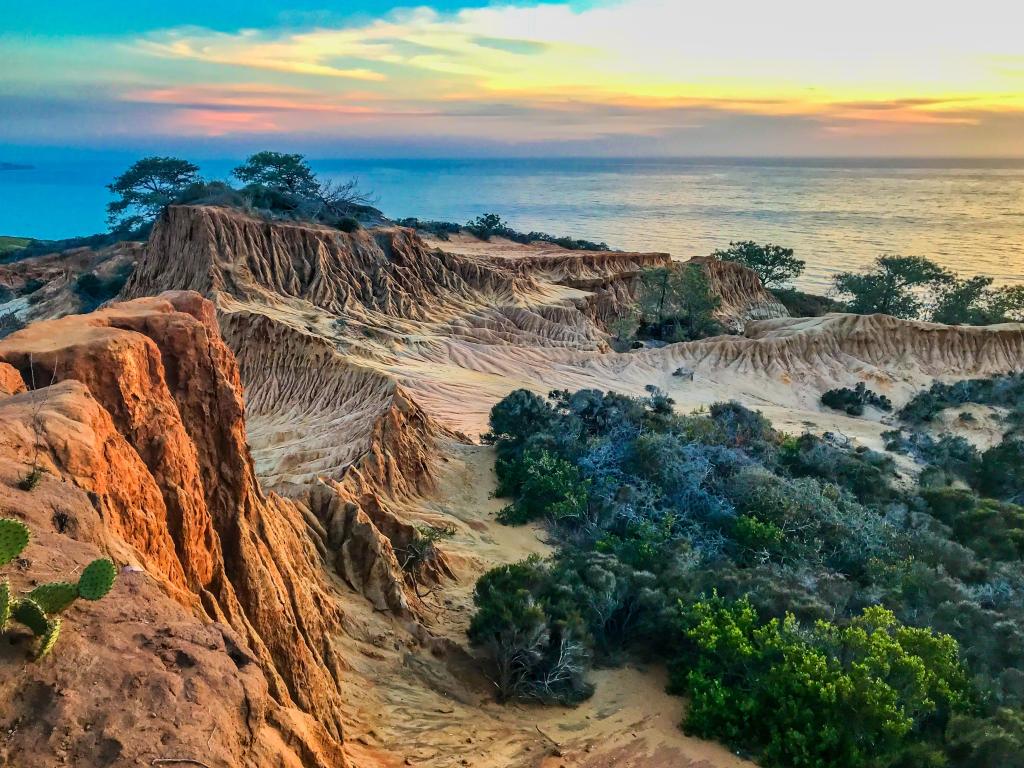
column 145, row 189
column 774, row 264
column 896, row 285
column 280, row 172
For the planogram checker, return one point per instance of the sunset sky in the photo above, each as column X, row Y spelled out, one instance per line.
column 589, row 77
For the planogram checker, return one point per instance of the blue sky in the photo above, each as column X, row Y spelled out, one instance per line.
column 381, row 78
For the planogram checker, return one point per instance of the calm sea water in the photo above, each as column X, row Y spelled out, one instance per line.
column 838, row 215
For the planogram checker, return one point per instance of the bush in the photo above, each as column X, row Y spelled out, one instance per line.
column 492, row 225
column 827, row 697
column 854, row 592
column 992, row 742
column 94, row 290
column 800, row 304
column 853, row 400
column 10, row 323
column 544, row 485
column 536, row 650
column 1000, row 472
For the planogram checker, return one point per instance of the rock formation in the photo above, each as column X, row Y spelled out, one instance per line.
column 263, row 589
column 135, row 413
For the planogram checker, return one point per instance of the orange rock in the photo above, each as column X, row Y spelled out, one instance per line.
column 145, row 415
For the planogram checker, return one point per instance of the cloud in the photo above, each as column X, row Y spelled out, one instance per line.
column 657, row 74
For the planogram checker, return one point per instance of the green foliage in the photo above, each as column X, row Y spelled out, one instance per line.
column 145, row 189
column 893, row 286
column 995, row 742
column 800, row 304
column 1003, row 391
column 676, row 303
column 853, row 400
column 993, row 529
column 518, row 416
column 5, row 603
column 774, row 264
column 1000, row 471
column 545, row 485
column 97, row 579
column 534, row 646
column 54, row 597
column 14, row 536
column 280, row 172
column 492, row 225
column 10, row 322
column 93, row 290
column 10, row 245
column 973, row 301
column 831, row 697
column 36, row 609
column 877, row 609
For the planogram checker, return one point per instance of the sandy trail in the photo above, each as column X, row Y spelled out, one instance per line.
column 432, row 704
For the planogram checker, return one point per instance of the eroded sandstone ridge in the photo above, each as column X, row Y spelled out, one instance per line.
column 264, row 616
column 135, row 414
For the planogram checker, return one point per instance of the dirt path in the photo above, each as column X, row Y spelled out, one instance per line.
column 430, row 702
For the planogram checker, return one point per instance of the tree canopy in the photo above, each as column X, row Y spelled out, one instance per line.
column 774, row 264
column 896, row 286
column 280, row 172
column 145, row 189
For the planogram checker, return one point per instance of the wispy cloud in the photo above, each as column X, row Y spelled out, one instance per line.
column 662, row 71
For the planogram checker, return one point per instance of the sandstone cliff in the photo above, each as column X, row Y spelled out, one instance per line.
column 135, row 413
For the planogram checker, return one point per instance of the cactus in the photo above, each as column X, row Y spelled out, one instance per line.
column 5, row 603
column 36, row 609
column 29, row 613
column 49, row 638
column 97, row 579
column 13, row 539
column 54, row 598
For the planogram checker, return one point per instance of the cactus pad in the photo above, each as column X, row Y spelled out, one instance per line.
column 54, row 598
column 97, row 579
column 49, row 639
column 5, row 603
column 29, row 613
column 13, row 538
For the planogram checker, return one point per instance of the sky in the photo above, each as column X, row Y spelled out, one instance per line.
column 377, row 78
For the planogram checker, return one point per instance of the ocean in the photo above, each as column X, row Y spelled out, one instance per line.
column 967, row 215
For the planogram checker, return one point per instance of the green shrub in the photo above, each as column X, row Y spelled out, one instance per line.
column 823, row 697
column 535, row 649
column 800, row 304
column 854, row 400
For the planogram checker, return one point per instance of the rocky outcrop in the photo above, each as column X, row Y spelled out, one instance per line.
column 388, row 271
column 138, row 409
column 743, row 297
column 48, row 285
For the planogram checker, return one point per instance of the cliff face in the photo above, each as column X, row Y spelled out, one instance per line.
column 743, row 297
column 137, row 411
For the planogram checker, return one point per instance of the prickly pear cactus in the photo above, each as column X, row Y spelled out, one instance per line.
column 97, row 579
column 55, row 597
column 13, row 539
column 36, row 610
column 5, row 603
column 29, row 613
column 49, row 638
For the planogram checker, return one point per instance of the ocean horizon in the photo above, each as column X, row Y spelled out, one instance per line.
column 837, row 213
